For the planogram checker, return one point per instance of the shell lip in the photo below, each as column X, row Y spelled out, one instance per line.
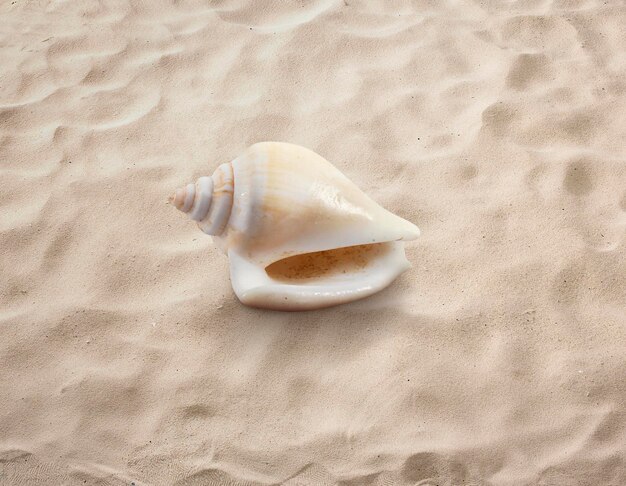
column 255, row 287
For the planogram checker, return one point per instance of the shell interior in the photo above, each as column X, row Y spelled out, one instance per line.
column 336, row 263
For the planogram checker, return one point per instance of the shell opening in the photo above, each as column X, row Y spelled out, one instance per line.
column 335, row 263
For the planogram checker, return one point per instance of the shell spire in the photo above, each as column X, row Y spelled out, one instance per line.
column 208, row 201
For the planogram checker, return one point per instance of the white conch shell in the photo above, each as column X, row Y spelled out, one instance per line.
column 298, row 233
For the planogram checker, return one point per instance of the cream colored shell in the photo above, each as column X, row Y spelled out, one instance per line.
column 280, row 200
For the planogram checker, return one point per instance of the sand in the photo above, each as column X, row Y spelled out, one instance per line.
column 499, row 128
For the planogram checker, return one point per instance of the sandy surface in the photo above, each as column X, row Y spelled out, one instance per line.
column 499, row 128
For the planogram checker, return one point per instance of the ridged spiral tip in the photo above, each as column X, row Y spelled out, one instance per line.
column 221, row 202
column 184, row 197
column 209, row 208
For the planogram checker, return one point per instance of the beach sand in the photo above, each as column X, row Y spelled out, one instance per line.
column 499, row 128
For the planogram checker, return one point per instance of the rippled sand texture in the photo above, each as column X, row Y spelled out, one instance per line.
column 498, row 127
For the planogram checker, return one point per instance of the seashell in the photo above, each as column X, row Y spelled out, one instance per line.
column 298, row 234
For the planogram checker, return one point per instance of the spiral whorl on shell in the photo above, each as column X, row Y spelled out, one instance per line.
column 208, row 201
